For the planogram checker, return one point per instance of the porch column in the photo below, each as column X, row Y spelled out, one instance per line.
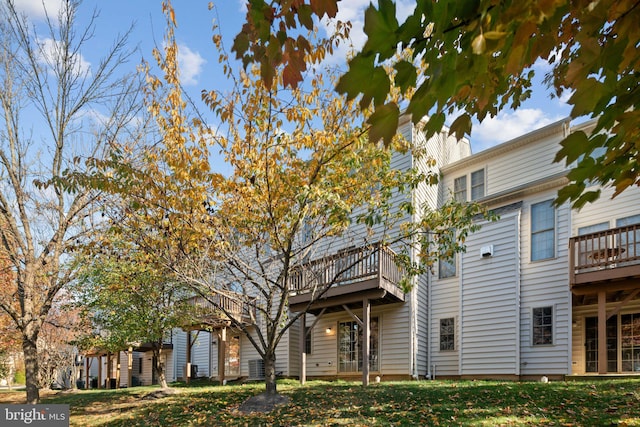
column 303, row 354
column 188, row 373
column 222, row 350
column 107, row 384
column 602, row 332
column 100, row 371
column 86, row 372
column 366, row 338
column 130, row 367
column 118, row 368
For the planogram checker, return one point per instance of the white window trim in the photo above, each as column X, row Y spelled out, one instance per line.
column 553, row 326
column 555, row 233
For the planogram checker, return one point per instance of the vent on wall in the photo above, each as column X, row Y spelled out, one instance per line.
column 486, row 251
column 256, row 369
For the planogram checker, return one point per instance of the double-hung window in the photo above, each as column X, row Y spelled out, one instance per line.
column 463, row 193
column 460, row 189
column 542, row 332
column 543, row 230
column 447, row 334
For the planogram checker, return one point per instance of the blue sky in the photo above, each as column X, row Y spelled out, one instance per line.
column 199, row 61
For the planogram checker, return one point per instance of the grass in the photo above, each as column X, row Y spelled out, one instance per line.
column 340, row 403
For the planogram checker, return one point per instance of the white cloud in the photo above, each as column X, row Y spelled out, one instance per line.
column 34, row 10
column 50, row 51
column 353, row 11
column 191, row 64
column 508, row 125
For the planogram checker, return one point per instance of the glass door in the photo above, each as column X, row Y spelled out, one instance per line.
column 591, row 344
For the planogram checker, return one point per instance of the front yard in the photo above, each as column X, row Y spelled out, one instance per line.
column 321, row 403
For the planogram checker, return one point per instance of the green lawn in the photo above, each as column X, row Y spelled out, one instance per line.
column 319, row 403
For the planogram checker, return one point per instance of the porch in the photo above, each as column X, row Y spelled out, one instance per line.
column 604, row 271
column 221, row 315
column 351, row 280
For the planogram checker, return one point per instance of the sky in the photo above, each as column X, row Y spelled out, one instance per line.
column 199, row 59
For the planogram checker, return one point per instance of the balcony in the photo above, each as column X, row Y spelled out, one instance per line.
column 218, row 311
column 605, row 260
column 346, row 278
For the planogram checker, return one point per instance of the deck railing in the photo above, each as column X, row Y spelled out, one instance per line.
column 348, row 266
column 217, row 304
column 611, row 248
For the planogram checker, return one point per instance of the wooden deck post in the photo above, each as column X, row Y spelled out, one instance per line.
column 188, row 368
column 130, row 367
column 366, row 338
column 303, row 353
column 118, row 368
column 100, row 371
column 602, row 332
column 222, row 350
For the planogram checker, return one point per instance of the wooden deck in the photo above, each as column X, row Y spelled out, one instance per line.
column 345, row 278
column 605, row 260
column 218, row 310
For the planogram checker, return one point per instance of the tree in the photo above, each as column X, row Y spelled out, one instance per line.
column 44, row 211
column 303, row 174
column 127, row 299
column 477, row 57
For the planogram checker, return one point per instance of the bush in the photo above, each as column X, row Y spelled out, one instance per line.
column 19, row 377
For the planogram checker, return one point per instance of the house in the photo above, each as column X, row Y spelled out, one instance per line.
column 537, row 291
column 534, row 295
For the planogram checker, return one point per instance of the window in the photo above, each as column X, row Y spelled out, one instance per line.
column 460, row 189
column 447, row 334
column 350, row 346
column 477, row 184
column 630, row 342
column 543, row 223
column 307, row 340
column 630, row 241
column 542, row 333
column 447, row 267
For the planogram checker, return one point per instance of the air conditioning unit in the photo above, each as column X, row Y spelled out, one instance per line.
column 256, row 369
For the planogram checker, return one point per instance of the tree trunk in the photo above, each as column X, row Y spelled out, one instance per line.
column 270, row 373
column 162, row 379
column 31, row 367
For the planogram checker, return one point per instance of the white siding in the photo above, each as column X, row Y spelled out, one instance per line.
column 489, row 301
column 546, row 283
column 200, row 352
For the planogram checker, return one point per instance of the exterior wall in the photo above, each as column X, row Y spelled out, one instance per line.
column 394, row 359
column 489, row 298
column 546, row 283
column 200, row 352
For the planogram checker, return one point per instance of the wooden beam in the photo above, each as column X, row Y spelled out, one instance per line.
column 602, row 332
column 356, row 318
column 188, row 373
column 222, row 351
column 622, row 303
column 303, row 351
column 130, row 367
column 366, row 338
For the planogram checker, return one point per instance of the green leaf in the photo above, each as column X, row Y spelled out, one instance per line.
column 384, row 123
column 573, row 146
column 406, row 76
column 461, row 126
column 381, row 25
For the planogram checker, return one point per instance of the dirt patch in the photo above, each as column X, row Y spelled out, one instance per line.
column 159, row 394
column 263, row 403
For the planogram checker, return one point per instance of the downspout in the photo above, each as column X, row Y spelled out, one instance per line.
column 430, row 374
column 518, row 286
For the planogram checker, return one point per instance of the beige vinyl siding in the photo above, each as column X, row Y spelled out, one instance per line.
column 489, row 301
column 445, row 304
column 578, row 335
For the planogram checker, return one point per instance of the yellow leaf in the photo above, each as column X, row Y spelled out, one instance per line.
column 479, row 44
